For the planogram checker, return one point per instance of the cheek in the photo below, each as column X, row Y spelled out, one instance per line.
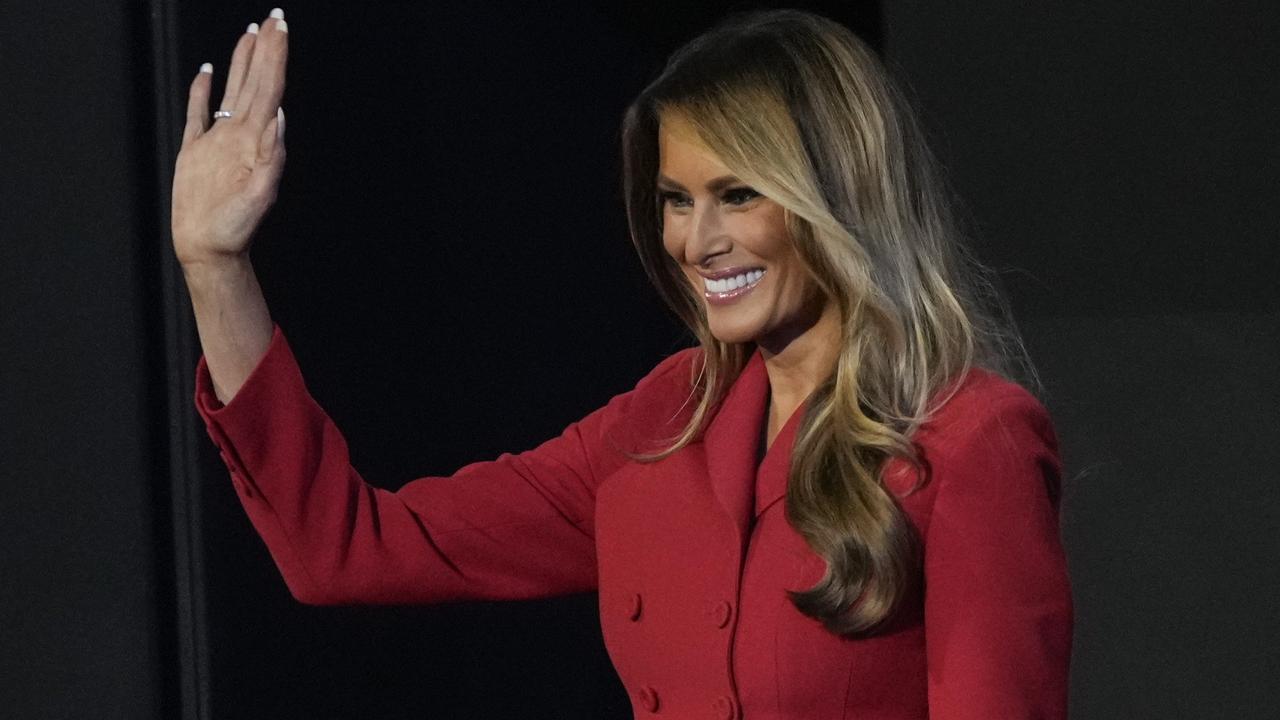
column 673, row 246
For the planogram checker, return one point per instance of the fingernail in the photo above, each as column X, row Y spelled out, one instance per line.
column 253, row 28
column 277, row 13
column 280, row 122
column 207, row 68
column 282, row 26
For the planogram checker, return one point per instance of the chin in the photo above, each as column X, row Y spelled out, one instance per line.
column 733, row 333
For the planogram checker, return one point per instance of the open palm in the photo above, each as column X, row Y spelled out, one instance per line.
column 228, row 170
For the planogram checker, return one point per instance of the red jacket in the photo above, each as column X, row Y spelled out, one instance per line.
column 690, row 555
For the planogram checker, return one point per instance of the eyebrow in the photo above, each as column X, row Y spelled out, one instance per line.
column 714, row 185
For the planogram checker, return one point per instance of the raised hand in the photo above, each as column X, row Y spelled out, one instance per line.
column 228, row 170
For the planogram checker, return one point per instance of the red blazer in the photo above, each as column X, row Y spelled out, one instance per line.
column 690, row 555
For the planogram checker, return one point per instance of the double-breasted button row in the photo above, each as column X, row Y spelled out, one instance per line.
column 720, row 613
column 723, row 707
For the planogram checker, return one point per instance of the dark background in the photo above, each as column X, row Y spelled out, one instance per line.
column 449, row 260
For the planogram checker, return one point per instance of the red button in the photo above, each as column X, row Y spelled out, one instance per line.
column 633, row 608
column 726, row 708
column 649, row 698
column 722, row 612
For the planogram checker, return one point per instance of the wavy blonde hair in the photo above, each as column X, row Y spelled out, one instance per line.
column 799, row 108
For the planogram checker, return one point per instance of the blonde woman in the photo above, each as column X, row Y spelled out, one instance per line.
column 842, row 503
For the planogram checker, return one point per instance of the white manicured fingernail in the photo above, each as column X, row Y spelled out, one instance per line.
column 282, row 26
column 253, row 28
column 279, row 122
column 207, row 68
column 277, row 13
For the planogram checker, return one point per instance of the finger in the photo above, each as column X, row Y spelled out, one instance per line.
column 262, row 108
column 253, row 67
column 264, row 81
column 265, row 180
column 272, row 138
column 239, row 63
column 198, row 105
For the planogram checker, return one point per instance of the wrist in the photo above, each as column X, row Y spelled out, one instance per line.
column 205, row 275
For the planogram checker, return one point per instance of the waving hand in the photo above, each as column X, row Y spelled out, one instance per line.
column 229, row 166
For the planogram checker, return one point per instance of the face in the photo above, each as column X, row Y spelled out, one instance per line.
column 733, row 246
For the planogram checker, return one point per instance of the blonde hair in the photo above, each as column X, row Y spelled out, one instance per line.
column 803, row 111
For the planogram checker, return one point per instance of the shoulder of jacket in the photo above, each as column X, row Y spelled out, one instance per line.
column 675, row 371
column 660, row 403
column 987, row 404
column 992, row 442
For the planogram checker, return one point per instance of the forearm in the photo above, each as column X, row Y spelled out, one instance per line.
column 517, row 527
column 232, row 320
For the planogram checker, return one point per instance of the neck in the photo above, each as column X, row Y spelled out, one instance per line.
column 799, row 361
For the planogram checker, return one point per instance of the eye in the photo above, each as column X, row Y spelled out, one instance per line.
column 744, row 194
column 734, row 196
column 669, row 196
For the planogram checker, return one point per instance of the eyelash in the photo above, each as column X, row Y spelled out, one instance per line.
column 668, row 195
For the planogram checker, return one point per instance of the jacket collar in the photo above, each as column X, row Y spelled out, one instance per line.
column 732, row 443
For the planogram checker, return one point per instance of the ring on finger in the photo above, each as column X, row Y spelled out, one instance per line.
column 219, row 114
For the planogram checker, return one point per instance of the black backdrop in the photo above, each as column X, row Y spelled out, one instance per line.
column 449, row 259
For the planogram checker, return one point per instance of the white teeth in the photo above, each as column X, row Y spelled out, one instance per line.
column 732, row 283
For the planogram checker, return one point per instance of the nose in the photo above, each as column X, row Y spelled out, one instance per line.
column 706, row 236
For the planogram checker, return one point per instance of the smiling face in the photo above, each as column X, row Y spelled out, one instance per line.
column 733, row 246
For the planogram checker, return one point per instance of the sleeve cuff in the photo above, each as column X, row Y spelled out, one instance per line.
column 277, row 362
column 240, row 428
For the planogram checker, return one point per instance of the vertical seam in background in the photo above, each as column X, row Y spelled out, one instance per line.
column 188, row 622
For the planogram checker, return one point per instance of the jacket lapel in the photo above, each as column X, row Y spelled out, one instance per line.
column 732, row 440
column 771, row 485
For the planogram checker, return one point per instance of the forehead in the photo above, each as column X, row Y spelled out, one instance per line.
column 682, row 152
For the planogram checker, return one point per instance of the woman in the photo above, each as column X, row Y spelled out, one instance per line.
column 837, row 505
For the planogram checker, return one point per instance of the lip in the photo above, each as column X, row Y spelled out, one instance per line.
column 725, row 298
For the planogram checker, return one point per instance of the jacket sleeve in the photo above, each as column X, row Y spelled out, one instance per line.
column 519, row 526
column 998, row 611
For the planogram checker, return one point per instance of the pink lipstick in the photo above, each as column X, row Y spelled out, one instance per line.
column 741, row 284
